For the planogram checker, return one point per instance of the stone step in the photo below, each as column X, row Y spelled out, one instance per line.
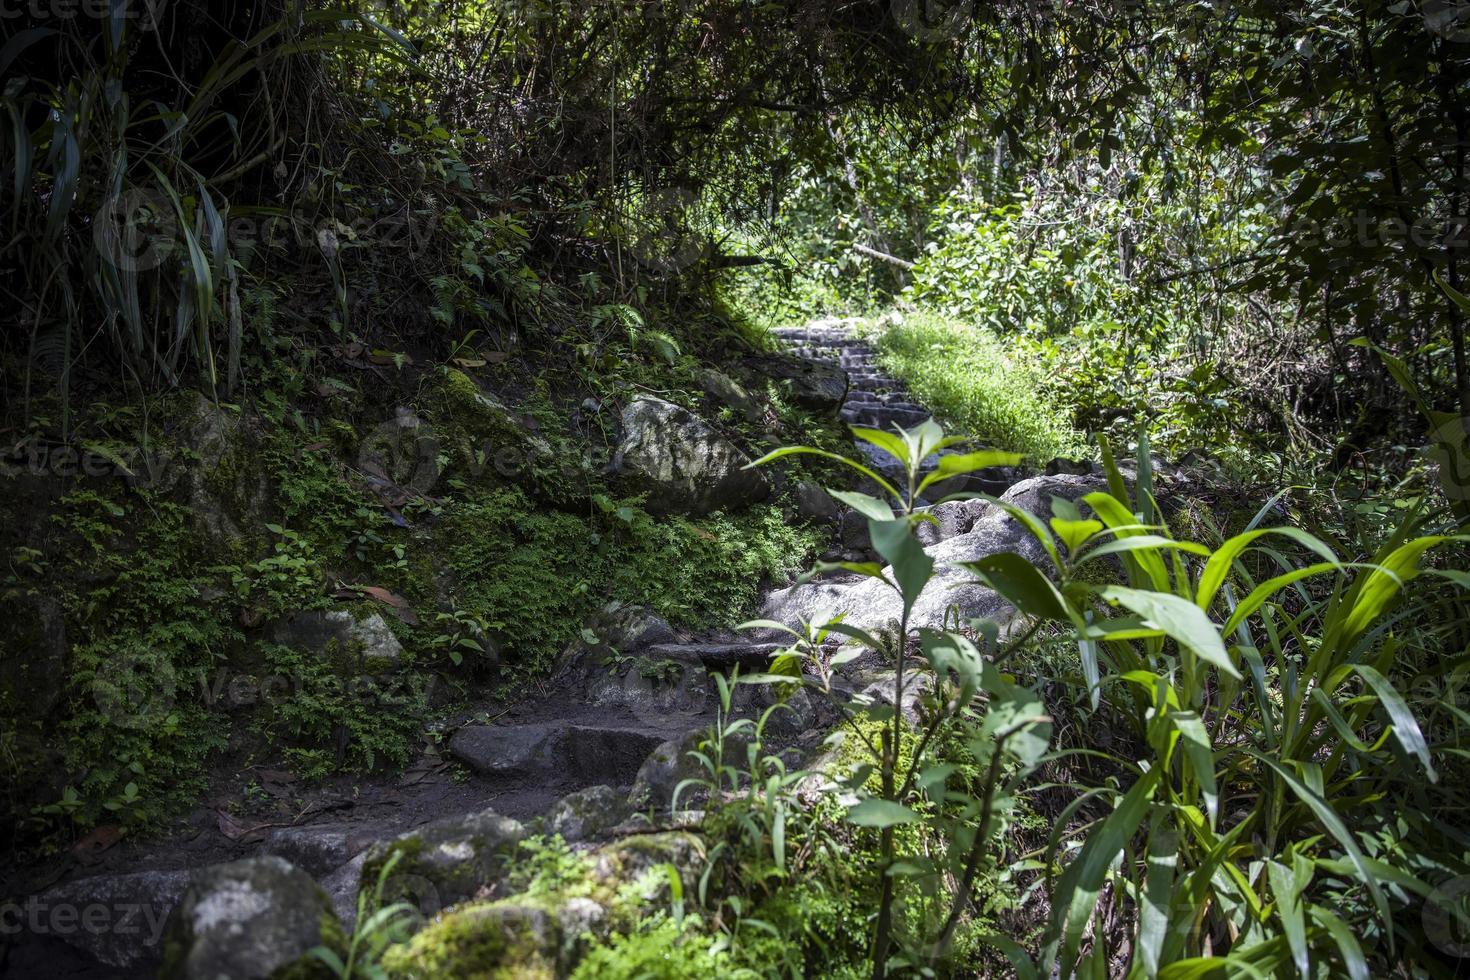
column 717, row 656
column 556, row 750
column 883, row 417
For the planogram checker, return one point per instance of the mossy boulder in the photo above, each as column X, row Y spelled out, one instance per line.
column 486, row 439
column 681, row 463
column 446, row 861
column 251, row 920
column 586, row 814
column 539, row 935
column 498, row 941
column 363, row 640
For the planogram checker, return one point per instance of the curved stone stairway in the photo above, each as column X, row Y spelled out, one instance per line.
column 612, row 729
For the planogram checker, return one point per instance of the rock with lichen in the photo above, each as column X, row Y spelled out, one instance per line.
column 249, row 920
column 544, row 932
column 446, row 861
column 681, row 463
column 586, row 814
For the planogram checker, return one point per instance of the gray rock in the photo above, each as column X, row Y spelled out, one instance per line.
column 728, row 392
column 870, row 604
column 586, row 814
column 583, row 922
column 369, row 637
column 670, row 763
column 246, row 920
column 814, row 503
column 555, row 750
column 117, row 919
column 507, row 750
column 317, row 850
column 341, row 887
column 446, row 861
column 224, row 492
column 683, row 464
column 1036, row 493
column 953, row 518
column 629, row 627
column 1075, row 467
column 853, row 532
column 882, row 690
column 655, row 687
column 817, row 385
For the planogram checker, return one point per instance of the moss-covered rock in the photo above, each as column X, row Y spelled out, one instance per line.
column 498, row 941
column 586, row 814
column 445, row 862
column 544, row 934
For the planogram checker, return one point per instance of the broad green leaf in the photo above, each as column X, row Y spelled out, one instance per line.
column 1120, row 519
column 1383, row 584
column 1201, row 756
column 1405, row 726
column 870, row 507
column 1182, row 620
column 1270, row 587
column 784, row 451
column 1082, row 881
column 1330, row 819
column 895, row 541
column 1158, row 890
column 1287, row 892
column 1074, row 533
column 1220, row 563
column 1348, row 949
column 886, row 441
column 1021, row 584
column 952, row 466
column 879, row 813
column 1141, row 541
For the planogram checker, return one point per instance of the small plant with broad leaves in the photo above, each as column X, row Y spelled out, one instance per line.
column 1248, row 826
column 378, row 927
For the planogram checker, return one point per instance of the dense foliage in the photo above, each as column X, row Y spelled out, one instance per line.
column 1223, row 734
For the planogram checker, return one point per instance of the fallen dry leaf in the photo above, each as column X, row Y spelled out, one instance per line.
column 99, row 840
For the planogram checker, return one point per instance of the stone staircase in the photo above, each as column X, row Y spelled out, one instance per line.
column 877, row 400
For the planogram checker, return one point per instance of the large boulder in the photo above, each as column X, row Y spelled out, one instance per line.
column 586, row 814
column 541, row 936
column 681, row 463
column 116, row 919
column 820, row 386
column 870, row 604
column 726, row 391
column 555, row 751
column 446, row 861
column 318, row 850
column 249, row 920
